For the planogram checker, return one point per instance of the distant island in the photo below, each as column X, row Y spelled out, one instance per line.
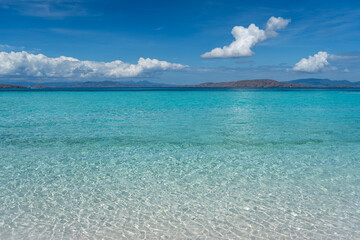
column 113, row 84
column 38, row 86
column 10, row 86
column 315, row 82
column 269, row 83
column 89, row 84
column 257, row 83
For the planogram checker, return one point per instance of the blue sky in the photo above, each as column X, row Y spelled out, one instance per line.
column 176, row 32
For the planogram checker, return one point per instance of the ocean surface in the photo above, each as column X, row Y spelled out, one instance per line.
column 170, row 164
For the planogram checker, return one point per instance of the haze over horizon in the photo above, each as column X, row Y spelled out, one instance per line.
column 178, row 42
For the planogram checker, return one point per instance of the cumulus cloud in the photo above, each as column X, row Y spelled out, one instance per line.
column 313, row 64
column 246, row 38
column 39, row 65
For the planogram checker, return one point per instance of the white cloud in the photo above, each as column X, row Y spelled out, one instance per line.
column 246, row 38
column 6, row 47
column 39, row 65
column 342, row 57
column 46, row 8
column 313, row 64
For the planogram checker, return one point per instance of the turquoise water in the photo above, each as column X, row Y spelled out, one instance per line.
column 180, row 165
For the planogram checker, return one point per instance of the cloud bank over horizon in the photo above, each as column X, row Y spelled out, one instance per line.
column 24, row 64
column 314, row 64
column 246, row 38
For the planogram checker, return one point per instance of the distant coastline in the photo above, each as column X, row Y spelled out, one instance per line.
column 256, row 83
column 11, row 86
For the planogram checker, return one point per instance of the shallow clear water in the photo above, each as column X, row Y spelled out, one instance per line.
column 180, row 165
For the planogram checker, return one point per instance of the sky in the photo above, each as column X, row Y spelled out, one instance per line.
column 178, row 42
